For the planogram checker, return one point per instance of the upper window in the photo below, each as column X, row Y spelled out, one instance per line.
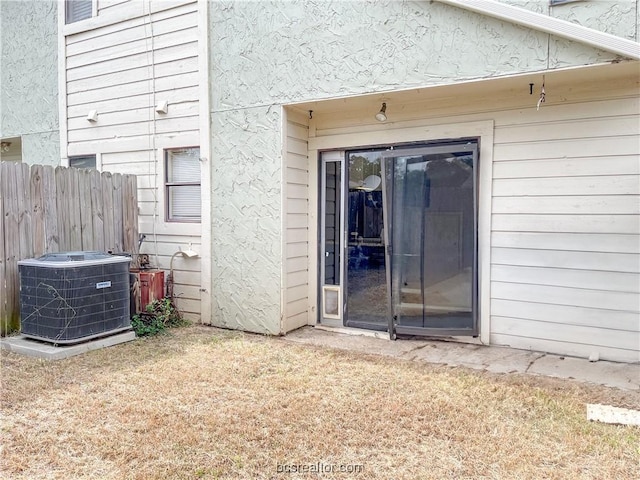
column 182, row 184
column 76, row 10
column 83, row 161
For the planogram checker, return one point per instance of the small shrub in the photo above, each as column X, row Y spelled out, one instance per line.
column 159, row 315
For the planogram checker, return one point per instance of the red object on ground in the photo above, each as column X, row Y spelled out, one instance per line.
column 151, row 287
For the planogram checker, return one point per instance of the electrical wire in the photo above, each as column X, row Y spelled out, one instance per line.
column 153, row 154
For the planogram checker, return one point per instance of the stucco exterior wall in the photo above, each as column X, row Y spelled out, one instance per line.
column 266, row 54
column 246, row 223
column 278, row 52
column 29, row 77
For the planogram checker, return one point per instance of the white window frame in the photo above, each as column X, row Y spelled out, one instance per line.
column 169, row 217
column 68, row 21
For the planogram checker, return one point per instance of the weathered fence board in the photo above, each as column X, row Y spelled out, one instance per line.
column 84, row 191
column 107, row 209
column 97, row 215
column 11, row 246
column 37, row 210
column 24, row 212
column 130, row 215
column 75, row 238
column 3, row 277
column 62, row 206
column 43, row 209
column 118, row 218
column 51, row 235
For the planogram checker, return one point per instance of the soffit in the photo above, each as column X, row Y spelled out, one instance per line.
column 597, row 76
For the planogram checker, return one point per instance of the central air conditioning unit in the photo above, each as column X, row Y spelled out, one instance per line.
column 71, row 297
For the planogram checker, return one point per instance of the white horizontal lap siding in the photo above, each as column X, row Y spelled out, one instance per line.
column 565, row 275
column 186, row 272
column 296, row 294
column 106, row 5
column 114, row 70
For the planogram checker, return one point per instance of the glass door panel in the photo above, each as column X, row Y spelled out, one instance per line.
column 431, row 221
column 366, row 304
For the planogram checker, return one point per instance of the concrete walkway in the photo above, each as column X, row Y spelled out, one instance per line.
column 493, row 359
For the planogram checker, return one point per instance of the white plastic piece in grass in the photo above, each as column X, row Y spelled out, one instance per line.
column 609, row 414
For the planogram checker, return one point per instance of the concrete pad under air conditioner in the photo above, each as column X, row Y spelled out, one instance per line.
column 34, row 348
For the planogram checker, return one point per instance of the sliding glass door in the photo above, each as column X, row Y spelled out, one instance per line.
column 398, row 239
column 430, row 205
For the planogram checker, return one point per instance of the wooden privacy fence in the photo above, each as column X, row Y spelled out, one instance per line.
column 45, row 210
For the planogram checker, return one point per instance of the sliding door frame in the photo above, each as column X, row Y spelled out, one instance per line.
column 417, row 132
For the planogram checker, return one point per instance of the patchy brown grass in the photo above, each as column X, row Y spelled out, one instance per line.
column 206, row 403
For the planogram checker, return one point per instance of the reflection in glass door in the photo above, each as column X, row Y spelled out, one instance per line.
column 431, row 220
column 366, row 303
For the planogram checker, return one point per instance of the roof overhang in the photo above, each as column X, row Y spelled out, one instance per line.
column 565, row 80
column 555, row 26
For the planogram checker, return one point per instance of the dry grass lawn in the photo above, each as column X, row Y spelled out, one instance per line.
column 205, row 403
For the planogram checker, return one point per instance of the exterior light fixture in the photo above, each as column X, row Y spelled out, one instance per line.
column 5, row 146
column 381, row 116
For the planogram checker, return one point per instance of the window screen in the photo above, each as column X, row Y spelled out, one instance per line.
column 83, row 161
column 77, row 10
column 182, row 181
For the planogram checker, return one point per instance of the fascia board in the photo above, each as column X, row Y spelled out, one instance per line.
column 555, row 26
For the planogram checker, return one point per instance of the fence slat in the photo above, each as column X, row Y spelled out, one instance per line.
column 3, row 275
column 51, row 235
column 36, row 187
column 24, row 212
column 107, row 208
column 132, row 207
column 74, row 207
column 118, row 217
column 97, row 214
column 86, row 221
column 62, row 205
column 130, row 216
column 11, row 246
